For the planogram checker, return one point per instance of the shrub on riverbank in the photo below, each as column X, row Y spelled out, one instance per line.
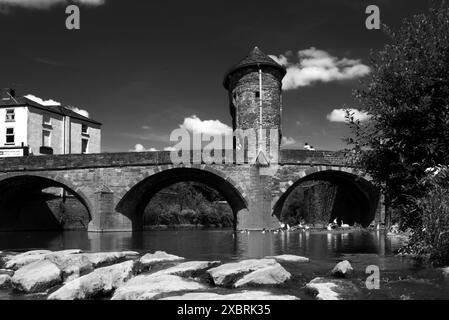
column 430, row 240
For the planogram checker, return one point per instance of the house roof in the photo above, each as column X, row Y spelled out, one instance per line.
column 58, row 109
column 255, row 58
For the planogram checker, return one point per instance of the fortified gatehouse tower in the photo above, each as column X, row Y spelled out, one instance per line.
column 255, row 100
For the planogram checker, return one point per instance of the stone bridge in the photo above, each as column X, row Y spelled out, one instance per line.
column 116, row 187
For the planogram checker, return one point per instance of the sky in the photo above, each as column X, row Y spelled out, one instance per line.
column 144, row 68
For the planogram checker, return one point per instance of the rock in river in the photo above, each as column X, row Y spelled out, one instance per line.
column 244, row 272
column 331, row 289
column 148, row 287
column 107, row 258
column 17, row 261
column 189, row 269
column 150, row 259
column 71, row 265
column 37, row 277
column 244, row 295
column 289, row 258
column 342, row 269
column 100, row 281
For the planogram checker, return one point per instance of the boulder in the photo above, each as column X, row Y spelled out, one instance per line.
column 289, row 258
column 99, row 282
column 227, row 274
column 331, row 289
column 17, row 261
column 151, row 259
column 37, row 277
column 71, row 265
column 189, row 269
column 271, row 275
column 5, row 281
column 7, row 271
column 244, row 295
column 342, row 269
column 107, row 258
column 148, row 287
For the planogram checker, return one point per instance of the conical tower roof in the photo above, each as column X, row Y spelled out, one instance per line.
column 255, row 58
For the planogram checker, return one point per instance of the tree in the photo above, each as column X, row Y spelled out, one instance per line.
column 407, row 98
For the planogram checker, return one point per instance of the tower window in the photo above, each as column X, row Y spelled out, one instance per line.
column 10, row 136
column 257, row 94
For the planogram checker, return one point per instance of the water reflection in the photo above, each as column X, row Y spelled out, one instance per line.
column 211, row 244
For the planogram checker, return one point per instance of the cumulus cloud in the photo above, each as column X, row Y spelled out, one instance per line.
column 46, row 4
column 81, row 112
column 212, row 127
column 316, row 65
column 140, row 148
column 339, row 115
column 42, row 102
column 287, row 141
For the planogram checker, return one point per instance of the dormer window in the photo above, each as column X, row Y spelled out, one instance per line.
column 10, row 115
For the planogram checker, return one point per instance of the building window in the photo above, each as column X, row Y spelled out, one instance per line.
column 46, row 138
column 10, row 115
column 10, row 136
column 46, row 119
column 84, row 143
column 257, row 94
column 84, row 129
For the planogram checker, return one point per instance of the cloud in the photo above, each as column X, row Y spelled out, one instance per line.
column 42, row 102
column 140, row 148
column 339, row 115
column 144, row 127
column 170, row 149
column 316, row 65
column 81, row 112
column 212, row 127
column 287, row 141
column 46, row 4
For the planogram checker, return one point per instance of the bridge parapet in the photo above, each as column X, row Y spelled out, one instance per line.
column 155, row 158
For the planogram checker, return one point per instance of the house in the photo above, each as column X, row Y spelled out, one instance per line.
column 31, row 126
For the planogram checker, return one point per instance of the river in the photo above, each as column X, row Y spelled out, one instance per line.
column 400, row 277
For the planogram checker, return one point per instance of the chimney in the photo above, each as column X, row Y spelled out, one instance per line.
column 7, row 94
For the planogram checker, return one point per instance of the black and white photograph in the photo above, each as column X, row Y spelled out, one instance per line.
column 233, row 151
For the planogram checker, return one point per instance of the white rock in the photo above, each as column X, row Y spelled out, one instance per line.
column 71, row 265
column 244, row 295
column 189, row 269
column 289, row 258
column 100, row 281
column 147, row 287
column 342, row 269
column 37, row 277
column 271, row 275
column 5, row 281
column 105, row 258
column 331, row 289
column 150, row 259
column 227, row 274
column 17, row 261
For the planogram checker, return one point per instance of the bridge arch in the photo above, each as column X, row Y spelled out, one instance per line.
column 361, row 188
column 16, row 187
column 139, row 193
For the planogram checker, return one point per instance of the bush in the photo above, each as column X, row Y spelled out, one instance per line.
column 430, row 240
